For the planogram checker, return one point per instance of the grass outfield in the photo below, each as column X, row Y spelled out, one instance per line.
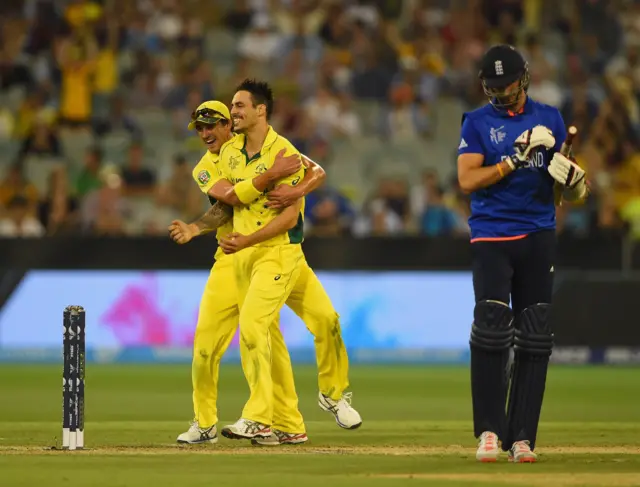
column 416, row 431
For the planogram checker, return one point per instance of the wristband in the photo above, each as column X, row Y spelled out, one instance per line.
column 246, row 191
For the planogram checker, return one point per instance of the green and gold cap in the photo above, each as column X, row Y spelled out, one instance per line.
column 209, row 112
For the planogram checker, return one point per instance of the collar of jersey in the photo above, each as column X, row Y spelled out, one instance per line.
column 213, row 157
column 240, row 140
column 526, row 108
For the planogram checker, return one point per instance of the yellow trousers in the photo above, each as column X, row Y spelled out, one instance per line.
column 217, row 324
column 267, row 277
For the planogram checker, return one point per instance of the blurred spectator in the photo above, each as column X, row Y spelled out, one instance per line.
column 105, row 76
column 104, row 210
column 437, row 219
column 89, row 177
column 179, row 193
column 347, row 124
column 388, row 212
column 19, row 221
column 419, row 193
column 119, row 118
column 261, row 43
column 544, row 89
column 406, row 119
column 328, row 213
column 16, row 185
column 58, row 209
column 137, row 179
column 323, row 111
column 579, row 109
column 593, row 58
column 239, row 18
column 76, row 56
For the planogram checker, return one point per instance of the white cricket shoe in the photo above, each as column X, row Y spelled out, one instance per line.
column 346, row 417
column 281, row 438
column 245, row 429
column 488, row 450
column 521, row 452
column 196, row 435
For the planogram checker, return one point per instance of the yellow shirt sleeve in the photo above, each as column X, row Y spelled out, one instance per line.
column 294, row 179
column 206, row 174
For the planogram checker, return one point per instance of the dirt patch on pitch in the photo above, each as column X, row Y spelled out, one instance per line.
column 532, row 479
column 225, row 449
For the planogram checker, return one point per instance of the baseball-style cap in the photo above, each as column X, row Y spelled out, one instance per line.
column 501, row 65
column 209, row 112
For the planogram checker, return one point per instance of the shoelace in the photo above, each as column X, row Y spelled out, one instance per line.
column 252, row 427
column 522, row 447
column 489, row 441
column 346, row 397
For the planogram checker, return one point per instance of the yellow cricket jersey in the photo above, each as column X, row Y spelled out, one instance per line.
column 236, row 166
column 206, row 174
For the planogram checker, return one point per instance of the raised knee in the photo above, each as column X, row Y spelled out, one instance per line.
column 533, row 333
column 492, row 328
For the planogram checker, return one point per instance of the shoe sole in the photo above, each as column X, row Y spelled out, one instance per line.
column 212, row 441
column 343, row 426
column 487, row 459
column 525, row 460
column 234, row 436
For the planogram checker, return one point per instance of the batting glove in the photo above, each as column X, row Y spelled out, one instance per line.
column 538, row 136
column 565, row 171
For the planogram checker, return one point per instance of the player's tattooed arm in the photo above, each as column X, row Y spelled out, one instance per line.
column 219, row 214
column 216, row 216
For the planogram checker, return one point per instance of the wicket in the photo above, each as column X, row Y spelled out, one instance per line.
column 73, row 378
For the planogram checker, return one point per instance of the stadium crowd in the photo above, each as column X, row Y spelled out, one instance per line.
column 96, row 97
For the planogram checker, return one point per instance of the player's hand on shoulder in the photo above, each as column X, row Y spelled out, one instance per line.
column 284, row 166
column 180, row 232
column 565, row 171
column 282, row 196
column 538, row 136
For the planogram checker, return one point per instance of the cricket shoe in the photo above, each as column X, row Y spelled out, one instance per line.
column 245, row 429
column 488, row 450
column 521, row 452
column 196, row 435
column 346, row 417
column 278, row 437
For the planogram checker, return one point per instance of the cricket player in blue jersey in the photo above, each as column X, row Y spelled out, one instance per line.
column 509, row 161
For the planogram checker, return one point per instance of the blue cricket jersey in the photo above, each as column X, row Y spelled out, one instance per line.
column 522, row 202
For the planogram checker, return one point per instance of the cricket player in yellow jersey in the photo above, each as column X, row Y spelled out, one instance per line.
column 271, row 268
column 218, row 313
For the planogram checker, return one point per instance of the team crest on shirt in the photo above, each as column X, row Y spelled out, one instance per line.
column 261, row 168
column 204, row 177
column 234, row 161
column 497, row 135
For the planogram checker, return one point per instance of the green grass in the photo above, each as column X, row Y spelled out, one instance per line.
column 416, row 431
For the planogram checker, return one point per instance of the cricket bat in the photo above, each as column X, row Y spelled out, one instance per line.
column 565, row 150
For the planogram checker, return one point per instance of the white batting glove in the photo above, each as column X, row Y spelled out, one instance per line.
column 530, row 139
column 570, row 175
column 565, row 171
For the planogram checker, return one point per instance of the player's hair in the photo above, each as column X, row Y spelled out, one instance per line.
column 261, row 93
